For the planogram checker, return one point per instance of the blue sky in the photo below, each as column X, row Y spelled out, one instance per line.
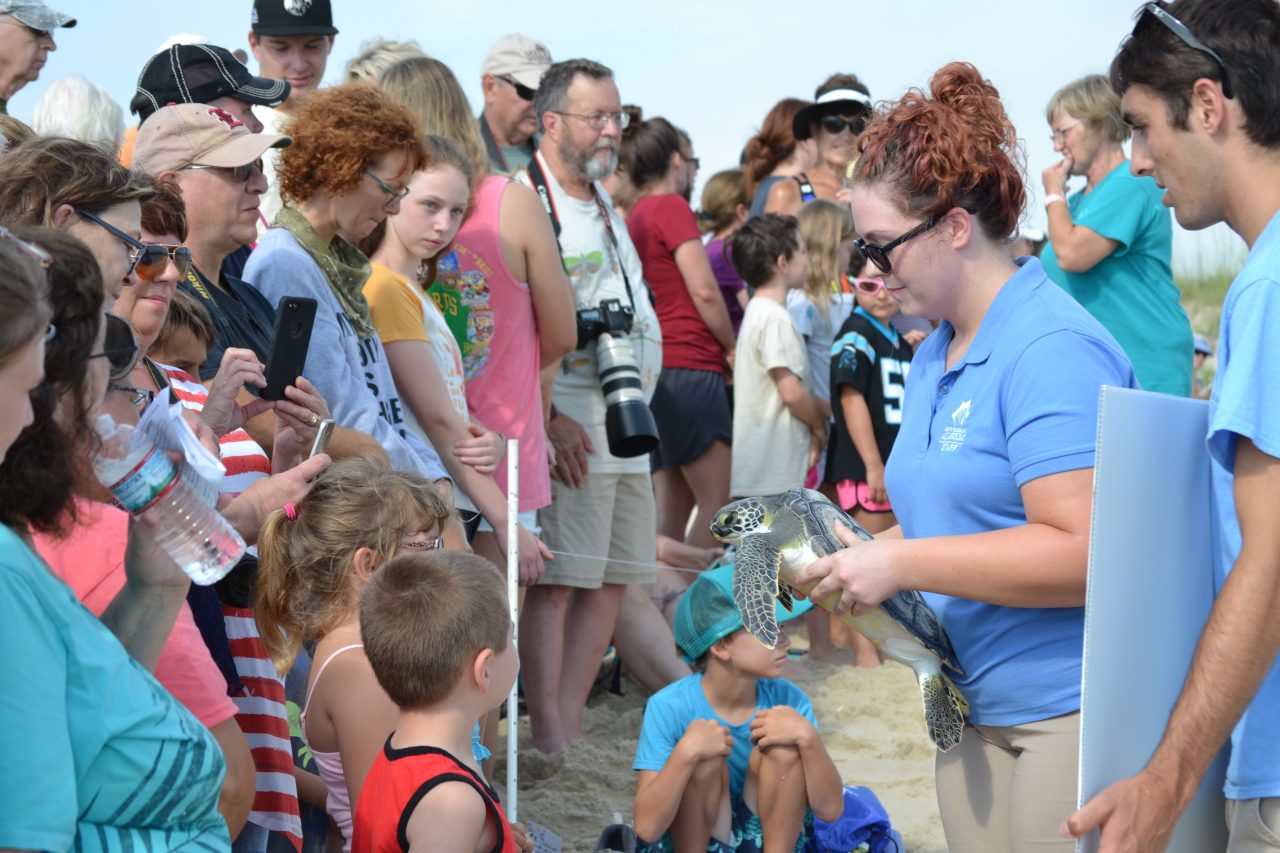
column 713, row 67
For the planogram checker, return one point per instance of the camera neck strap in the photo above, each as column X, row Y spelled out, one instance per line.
column 539, row 180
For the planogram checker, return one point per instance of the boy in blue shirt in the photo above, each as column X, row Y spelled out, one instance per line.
column 1196, row 85
column 730, row 756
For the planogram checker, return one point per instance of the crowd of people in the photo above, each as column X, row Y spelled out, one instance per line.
column 852, row 308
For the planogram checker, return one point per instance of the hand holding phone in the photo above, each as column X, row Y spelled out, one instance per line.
column 324, row 433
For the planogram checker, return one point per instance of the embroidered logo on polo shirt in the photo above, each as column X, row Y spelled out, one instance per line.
column 954, row 435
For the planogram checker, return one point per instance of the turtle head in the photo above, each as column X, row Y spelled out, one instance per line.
column 740, row 518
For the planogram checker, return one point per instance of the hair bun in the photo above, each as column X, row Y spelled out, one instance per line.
column 960, row 87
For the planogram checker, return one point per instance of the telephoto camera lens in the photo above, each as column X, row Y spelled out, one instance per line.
column 628, row 423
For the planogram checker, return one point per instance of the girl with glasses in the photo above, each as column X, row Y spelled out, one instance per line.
column 990, row 476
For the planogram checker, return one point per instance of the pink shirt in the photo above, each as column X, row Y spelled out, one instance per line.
column 91, row 561
column 501, row 354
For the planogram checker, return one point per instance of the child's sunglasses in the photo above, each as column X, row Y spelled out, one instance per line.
column 146, row 260
column 869, row 285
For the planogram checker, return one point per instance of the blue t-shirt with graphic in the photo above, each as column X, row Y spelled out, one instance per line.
column 1246, row 402
column 97, row 755
column 670, row 711
column 1131, row 291
column 1021, row 403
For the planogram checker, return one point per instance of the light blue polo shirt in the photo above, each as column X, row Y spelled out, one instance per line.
column 1246, row 402
column 1021, row 404
column 1131, row 290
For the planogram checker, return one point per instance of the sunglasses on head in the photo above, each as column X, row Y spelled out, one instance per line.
column 119, row 348
column 145, row 260
column 1179, row 29
column 239, row 174
column 523, row 92
column 31, row 250
column 834, row 124
column 879, row 254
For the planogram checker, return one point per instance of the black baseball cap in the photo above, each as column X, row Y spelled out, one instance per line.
column 293, row 18
column 198, row 74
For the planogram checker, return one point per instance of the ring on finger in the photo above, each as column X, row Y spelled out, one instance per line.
column 315, row 419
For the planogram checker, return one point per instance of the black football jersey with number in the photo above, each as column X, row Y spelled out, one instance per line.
column 873, row 359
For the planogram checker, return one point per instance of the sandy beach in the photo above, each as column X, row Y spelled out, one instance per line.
column 870, row 720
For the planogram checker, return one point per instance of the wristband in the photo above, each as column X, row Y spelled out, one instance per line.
column 1052, row 197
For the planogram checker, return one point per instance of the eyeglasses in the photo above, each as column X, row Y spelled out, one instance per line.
column 1060, row 133
column 879, row 255
column 31, row 250
column 692, row 161
column 239, row 174
column 147, row 260
column 523, row 92
column 597, row 121
column 869, row 285
column 120, row 348
column 138, row 397
column 395, row 194
column 834, row 124
column 1180, row 30
column 423, row 544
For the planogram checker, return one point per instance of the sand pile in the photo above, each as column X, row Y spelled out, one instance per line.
column 870, row 721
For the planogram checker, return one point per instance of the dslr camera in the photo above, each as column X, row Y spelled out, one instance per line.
column 628, row 423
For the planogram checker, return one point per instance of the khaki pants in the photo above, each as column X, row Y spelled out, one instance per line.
column 1254, row 825
column 1008, row 788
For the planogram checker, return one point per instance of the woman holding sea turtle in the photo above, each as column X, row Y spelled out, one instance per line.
column 992, row 470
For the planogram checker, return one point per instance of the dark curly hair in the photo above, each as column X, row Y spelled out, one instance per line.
column 338, row 133
column 48, row 459
column 953, row 147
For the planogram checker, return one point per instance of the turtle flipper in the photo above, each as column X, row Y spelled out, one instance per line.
column 945, row 709
column 755, row 588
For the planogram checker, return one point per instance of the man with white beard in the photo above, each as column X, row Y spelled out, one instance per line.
column 602, row 519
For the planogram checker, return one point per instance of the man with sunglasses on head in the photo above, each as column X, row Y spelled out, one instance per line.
column 509, row 76
column 26, row 38
column 1199, row 82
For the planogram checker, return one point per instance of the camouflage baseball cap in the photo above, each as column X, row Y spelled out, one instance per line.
column 35, row 14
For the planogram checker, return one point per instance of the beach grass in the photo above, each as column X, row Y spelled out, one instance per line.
column 1203, row 285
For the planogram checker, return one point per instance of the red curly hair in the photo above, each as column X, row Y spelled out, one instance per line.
column 954, row 147
column 337, row 134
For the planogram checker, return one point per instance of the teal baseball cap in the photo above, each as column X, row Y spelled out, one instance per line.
column 707, row 613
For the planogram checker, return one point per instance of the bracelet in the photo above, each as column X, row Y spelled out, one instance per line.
column 1052, row 197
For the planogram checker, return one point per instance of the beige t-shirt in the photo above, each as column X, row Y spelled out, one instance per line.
column 770, row 445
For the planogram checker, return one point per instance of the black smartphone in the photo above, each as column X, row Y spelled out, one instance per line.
column 295, row 315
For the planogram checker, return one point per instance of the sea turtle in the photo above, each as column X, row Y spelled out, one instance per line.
column 779, row 534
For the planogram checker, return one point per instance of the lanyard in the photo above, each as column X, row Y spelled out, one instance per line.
column 539, row 181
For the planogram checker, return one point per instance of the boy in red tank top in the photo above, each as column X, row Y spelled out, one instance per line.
column 438, row 635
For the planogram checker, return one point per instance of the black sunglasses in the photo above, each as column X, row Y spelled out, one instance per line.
column 136, row 248
column 523, row 92
column 834, row 124
column 240, row 174
column 120, row 348
column 879, row 255
column 1179, row 29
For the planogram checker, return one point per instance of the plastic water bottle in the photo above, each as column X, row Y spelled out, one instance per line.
column 146, row 483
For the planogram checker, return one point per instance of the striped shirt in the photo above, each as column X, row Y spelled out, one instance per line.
column 260, row 707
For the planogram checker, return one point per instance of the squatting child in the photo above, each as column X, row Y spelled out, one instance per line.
column 729, row 758
column 778, row 427
column 438, row 635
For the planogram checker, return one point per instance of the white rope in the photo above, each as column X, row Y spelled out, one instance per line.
column 513, row 596
column 627, row 562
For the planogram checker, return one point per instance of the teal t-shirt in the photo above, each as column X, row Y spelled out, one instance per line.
column 97, row 755
column 1131, row 291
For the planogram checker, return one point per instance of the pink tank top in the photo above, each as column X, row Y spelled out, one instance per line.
column 501, row 351
column 337, row 801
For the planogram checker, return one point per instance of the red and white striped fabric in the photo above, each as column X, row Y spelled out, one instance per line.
column 261, row 711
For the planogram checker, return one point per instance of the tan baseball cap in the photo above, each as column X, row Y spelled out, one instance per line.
column 519, row 57
column 182, row 135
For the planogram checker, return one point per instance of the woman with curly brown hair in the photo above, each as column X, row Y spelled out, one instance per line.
column 352, row 156
column 991, row 473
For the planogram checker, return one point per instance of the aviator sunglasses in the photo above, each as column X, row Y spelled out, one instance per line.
column 120, row 348
column 1179, row 29
column 879, row 255
column 146, row 260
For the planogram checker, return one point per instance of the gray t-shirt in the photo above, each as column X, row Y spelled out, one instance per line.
column 353, row 375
